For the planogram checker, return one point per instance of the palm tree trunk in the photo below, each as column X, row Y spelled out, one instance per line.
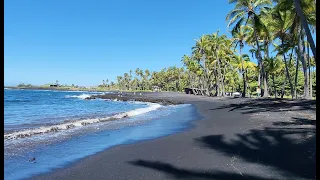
column 265, row 79
column 192, row 84
column 265, row 94
column 287, row 70
column 265, row 84
column 219, row 77
column 310, row 77
column 244, row 85
column 243, row 75
column 304, row 65
column 201, row 85
column 223, row 78
column 305, row 26
column 274, row 86
column 284, row 84
column 205, row 75
column 259, row 75
column 296, row 76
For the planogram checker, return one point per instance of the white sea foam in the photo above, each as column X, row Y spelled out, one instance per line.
column 81, row 96
column 79, row 123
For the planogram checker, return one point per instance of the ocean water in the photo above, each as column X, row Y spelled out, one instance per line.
column 45, row 130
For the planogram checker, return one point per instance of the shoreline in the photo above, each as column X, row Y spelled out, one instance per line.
column 74, row 89
column 194, row 153
column 54, row 89
column 131, row 97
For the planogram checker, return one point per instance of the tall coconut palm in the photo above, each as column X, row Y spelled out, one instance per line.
column 309, row 66
column 254, row 54
column 119, row 79
column 219, row 49
column 241, row 65
column 280, row 22
column 199, row 51
column 244, row 11
column 239, row 37
column 302, row 49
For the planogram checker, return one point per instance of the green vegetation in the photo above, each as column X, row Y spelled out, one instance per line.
column 278, row 34
column 217, row 63
column 168, row 79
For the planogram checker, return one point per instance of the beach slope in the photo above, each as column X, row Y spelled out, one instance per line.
column 237, row 138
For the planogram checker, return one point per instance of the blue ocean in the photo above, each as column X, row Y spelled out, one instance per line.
column 47, row 129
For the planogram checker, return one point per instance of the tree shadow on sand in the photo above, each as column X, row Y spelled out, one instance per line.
column 297, row 121
column 180, row 173
column 291, row 151
column 270, row 105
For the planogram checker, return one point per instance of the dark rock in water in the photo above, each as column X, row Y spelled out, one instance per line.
column 70, row 126
column 32, row 160
column 54, row 129
column 84, row 123
column 23, row 135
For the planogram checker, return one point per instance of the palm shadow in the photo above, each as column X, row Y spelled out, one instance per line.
column 270, row 105
column 180, row 173
column 297, row 121
column 289, row 150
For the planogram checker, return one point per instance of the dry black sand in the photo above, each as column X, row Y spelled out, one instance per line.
column 238, row 138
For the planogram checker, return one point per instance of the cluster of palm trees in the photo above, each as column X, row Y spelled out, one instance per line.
column 279, row 35
column 168, row 79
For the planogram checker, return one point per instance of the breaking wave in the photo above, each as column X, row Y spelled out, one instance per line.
column 81, row 96
column 78, row 123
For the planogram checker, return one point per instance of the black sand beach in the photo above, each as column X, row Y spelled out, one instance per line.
column 238, row 138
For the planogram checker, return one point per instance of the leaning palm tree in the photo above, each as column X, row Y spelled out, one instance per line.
column 244, row 11
column 306, row 10
column 304, row 22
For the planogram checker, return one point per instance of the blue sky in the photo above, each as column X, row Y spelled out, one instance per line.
column 84, row 42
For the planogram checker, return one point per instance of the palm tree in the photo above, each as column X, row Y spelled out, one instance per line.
column 146, row 78
column 254, row 54
column 303, row 57
column 241, row 64
column 120, row 79
column 244, row 11
column 273, row 67
column 281, row 21
column 137, row 72
column 239, row 37
column 299, row 10
column 107, row 80
column 200, row 50
column 130, row 79
column 219, row 50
